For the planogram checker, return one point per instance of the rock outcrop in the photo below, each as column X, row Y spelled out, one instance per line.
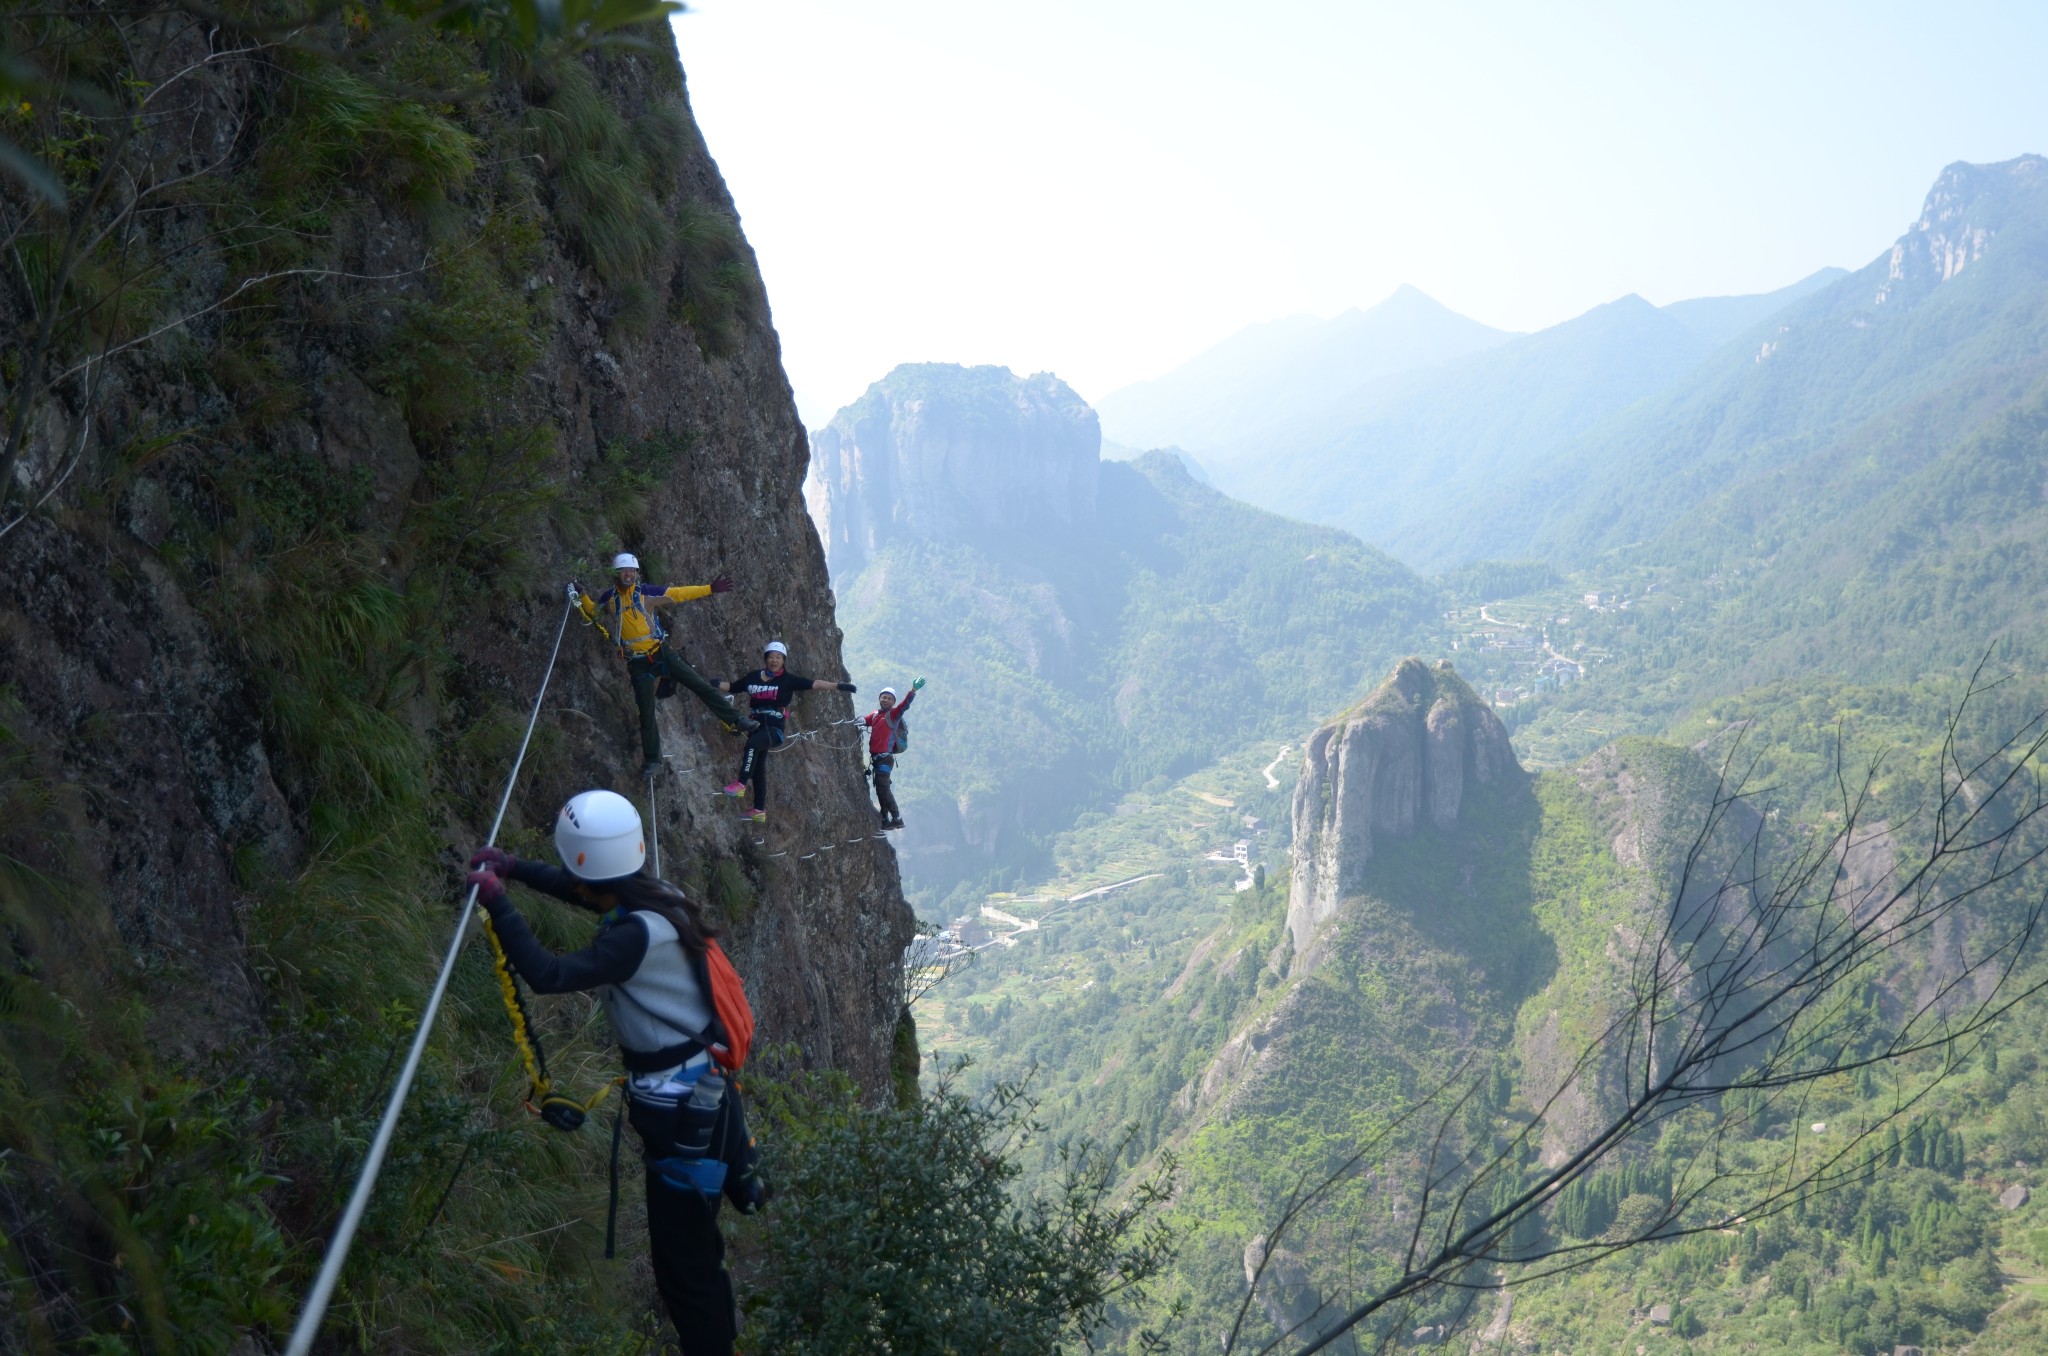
column 1964, row 212
column 1649, row 802
column 1405, row 757
column 951, row 454
column 267, row 649
column 190, row 752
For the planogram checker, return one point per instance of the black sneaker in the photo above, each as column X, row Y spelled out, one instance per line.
column 651, row 766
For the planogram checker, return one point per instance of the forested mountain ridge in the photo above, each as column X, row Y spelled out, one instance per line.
column 1458, row 932
column 1869, row 510
column 269, row 643
column 1072, row 653
column 1538, row 446
column 1261, row 1034
column 1951, row 322
column 1719, row 319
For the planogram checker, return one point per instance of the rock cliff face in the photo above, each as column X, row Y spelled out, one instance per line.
column 1963, row 214
column 1403, row 758
column 127, row 679
column 265, row 655
column 951, row 454
column 1647, row 802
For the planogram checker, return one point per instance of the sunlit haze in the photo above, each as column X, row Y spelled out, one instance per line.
column 1105, row 189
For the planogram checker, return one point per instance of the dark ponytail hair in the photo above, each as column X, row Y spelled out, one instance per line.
column 655, row 895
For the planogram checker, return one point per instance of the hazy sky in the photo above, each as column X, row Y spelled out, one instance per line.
column 1104, row 189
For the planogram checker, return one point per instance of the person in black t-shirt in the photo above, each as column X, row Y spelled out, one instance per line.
column 770, row 689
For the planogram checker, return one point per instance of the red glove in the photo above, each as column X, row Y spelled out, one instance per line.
column 493, row 859
column 490, row 891
column 722, row 584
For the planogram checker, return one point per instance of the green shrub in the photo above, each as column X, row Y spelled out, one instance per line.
column 715, row 288
column 900, row 1229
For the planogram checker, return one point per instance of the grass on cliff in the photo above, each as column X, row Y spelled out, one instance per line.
column 486, row 1230
column 182, row 1210
column 614, row 185
column 169, row 1210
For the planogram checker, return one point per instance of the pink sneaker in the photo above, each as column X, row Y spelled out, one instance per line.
column 735, row 789
column 757, row 817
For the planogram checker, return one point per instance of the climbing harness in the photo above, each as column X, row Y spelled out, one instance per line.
column 322, row 1292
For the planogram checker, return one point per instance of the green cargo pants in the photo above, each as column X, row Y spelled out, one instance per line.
column 662, row 662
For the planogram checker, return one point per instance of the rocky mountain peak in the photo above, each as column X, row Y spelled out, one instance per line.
column 1964, row 212
column 949, row 453
column 1404, row 757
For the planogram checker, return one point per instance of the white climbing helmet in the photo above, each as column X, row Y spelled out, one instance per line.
column 598, row 835
column 625, row 560
column 888, row 692
column 775, row 647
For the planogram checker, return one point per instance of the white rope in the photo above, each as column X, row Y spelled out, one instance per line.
column 344, row 1234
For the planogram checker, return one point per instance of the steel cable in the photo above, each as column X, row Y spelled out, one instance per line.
column 359, row 1201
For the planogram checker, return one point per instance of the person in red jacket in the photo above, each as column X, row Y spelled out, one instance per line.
column 883, row 724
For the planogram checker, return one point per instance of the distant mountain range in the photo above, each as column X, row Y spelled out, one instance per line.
column 1722, row 427
column 1230, row 396
column 1942, row 332
column 1378, row 420
column 1824, row 504
column 1851, row 485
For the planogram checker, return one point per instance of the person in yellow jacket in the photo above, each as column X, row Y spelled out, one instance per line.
column 625, row 613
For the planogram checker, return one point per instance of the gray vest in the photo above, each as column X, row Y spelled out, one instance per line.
column 662, row 1006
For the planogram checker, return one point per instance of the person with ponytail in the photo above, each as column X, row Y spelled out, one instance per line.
column 652, row 965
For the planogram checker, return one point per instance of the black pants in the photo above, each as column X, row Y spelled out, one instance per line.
column 683, row 1241
column 754, row 761
column 689, row 1267
column 884, row 767
column 662, row 662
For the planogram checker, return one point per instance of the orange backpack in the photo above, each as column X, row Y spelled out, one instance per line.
column 729, row 1001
